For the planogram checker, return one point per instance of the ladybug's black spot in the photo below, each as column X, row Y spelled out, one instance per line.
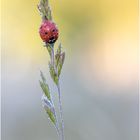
column 51, row 38
column 46, row 33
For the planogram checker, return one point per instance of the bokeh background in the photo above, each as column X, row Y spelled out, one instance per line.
column 100, row 75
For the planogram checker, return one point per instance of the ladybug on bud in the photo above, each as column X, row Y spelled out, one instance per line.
column 48, row 31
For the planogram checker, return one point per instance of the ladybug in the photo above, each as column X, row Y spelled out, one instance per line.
column 48, row 31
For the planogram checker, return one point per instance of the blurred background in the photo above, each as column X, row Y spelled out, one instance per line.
column 99, row 81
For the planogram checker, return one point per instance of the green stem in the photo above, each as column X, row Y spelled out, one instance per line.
column 57, row 124
column 61, row 111
column 59, row 95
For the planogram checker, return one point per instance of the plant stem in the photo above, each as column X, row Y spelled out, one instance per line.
column 61, row 111
column 57, row 124
column 59, row 96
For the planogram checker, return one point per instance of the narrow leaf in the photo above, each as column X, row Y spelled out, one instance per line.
column 45, row 89
column 59, row 49
column 49, row 108
column 60, row 63
column 42, row 76
column 44, row 85
column 53, row 74
column 62, row 58
column 57, row 57
column 51, row 116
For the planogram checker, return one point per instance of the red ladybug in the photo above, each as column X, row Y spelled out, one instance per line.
column 48, row 31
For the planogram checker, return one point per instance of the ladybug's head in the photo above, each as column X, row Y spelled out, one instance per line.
column 48, row 32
